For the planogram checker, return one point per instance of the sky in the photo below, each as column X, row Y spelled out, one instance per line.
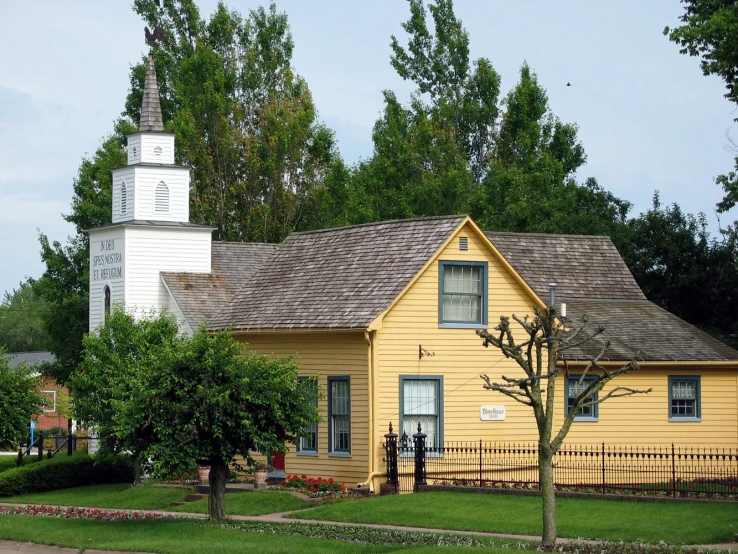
column 648, row 119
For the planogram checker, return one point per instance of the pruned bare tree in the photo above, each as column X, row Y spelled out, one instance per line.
column 540, row 356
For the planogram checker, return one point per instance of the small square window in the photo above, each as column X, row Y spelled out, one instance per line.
column 684, row 397
column 573, row 389
column 462, row 294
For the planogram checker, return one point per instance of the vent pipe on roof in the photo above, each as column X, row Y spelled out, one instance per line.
column 552, row 297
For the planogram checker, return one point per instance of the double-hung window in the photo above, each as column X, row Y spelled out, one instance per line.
column 684, row 398
column 573, row 389
column 339, row 415
column 421, row 401
column 307, row 443
column 462, row 294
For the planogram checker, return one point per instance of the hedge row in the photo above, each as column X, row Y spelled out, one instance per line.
column 11, row 462
column 63, row 472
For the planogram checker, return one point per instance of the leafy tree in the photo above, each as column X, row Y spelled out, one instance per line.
column 206, row 402
column 539, row 356
column 710, row 30
column 64, row 286
column 680, row 268
column 21, row 401
column 111, row 361
column 245, row 121
column 21, row 320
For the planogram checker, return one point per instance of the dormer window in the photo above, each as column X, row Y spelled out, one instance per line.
column 161, row 198
column 157, row 151
column 123, row 198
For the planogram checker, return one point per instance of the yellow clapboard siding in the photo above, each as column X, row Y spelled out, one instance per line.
column 325, row 355
column 459, row 357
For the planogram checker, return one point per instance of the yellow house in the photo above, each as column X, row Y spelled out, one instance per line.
column 385, row 315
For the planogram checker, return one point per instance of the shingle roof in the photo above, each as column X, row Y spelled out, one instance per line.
column 593, row 279
column 581, row 266
column 336, row 278
column 151, row 119
column 640, row 329
column 30, row 359
column 202, row 295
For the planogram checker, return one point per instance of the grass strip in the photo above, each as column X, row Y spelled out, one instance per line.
column 250, row 503
column 672, row 523
column 118, row 495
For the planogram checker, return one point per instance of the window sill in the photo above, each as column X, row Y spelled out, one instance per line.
column 462, row 326
column 685, row 419
column 307, row 453
column 587, row 419
column 339, row 454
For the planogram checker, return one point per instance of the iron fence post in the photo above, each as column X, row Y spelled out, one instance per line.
column 603, row 468
column 673, row 471
column 390, row 448
column 480, row 462
column 69, row 437
column 40, row 445
column 19, row 463
column 419, row 439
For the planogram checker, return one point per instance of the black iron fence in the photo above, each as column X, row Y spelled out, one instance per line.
column 666, row 470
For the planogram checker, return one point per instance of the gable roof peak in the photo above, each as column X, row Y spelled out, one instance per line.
column 151, row 119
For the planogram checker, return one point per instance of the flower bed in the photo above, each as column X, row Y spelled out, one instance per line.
column 81, row 513
column 315, row 486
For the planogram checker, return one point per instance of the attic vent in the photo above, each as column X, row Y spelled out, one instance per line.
column 123, row 198
column 157, row 151
column 464, row 243
column 161, row 198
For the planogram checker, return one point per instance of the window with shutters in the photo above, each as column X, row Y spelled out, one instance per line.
column 161, row 198
column 123, row 198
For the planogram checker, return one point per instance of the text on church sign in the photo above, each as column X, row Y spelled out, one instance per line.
column 107, row 260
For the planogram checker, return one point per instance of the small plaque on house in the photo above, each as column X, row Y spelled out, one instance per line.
column 492, row 413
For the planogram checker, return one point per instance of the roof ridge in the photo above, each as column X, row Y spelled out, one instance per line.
column 373, row 223
column 245, row 242
column 523, row 234
column 603, row 300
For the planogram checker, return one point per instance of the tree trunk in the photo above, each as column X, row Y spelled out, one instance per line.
column 548, row 495
column 217, row 481
column 137, row 471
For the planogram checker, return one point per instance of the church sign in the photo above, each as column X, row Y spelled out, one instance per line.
column 107, row 260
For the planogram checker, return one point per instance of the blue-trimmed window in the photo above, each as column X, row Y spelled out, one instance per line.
column 573, row 389
column 421, row 401
column 307, row 442
column 684, row 397
column 462, row 294
column 339, row 415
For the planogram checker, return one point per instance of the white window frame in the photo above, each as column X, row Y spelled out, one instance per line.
column 53, row 396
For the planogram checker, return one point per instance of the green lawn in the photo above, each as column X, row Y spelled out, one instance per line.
column 250, row 503
column 119, row 495
column 124, row 496
column 678, row 523
column 183, row 537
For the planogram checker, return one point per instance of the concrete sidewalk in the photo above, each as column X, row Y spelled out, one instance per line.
column 283, row 517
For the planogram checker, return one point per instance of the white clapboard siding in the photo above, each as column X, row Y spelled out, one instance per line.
column 151, row 250
column 121, row 175
column 177, row 181
column 134, row 149
column 100, row 247
column 157, row 148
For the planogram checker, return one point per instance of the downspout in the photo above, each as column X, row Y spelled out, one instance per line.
column 370, row 386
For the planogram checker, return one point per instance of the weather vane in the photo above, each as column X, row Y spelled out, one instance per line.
column 157, row 35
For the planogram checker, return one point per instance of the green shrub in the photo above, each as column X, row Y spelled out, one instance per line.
column 11, row 462
column 63, row 472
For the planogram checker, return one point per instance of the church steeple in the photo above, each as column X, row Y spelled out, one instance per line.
column 151, row 119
